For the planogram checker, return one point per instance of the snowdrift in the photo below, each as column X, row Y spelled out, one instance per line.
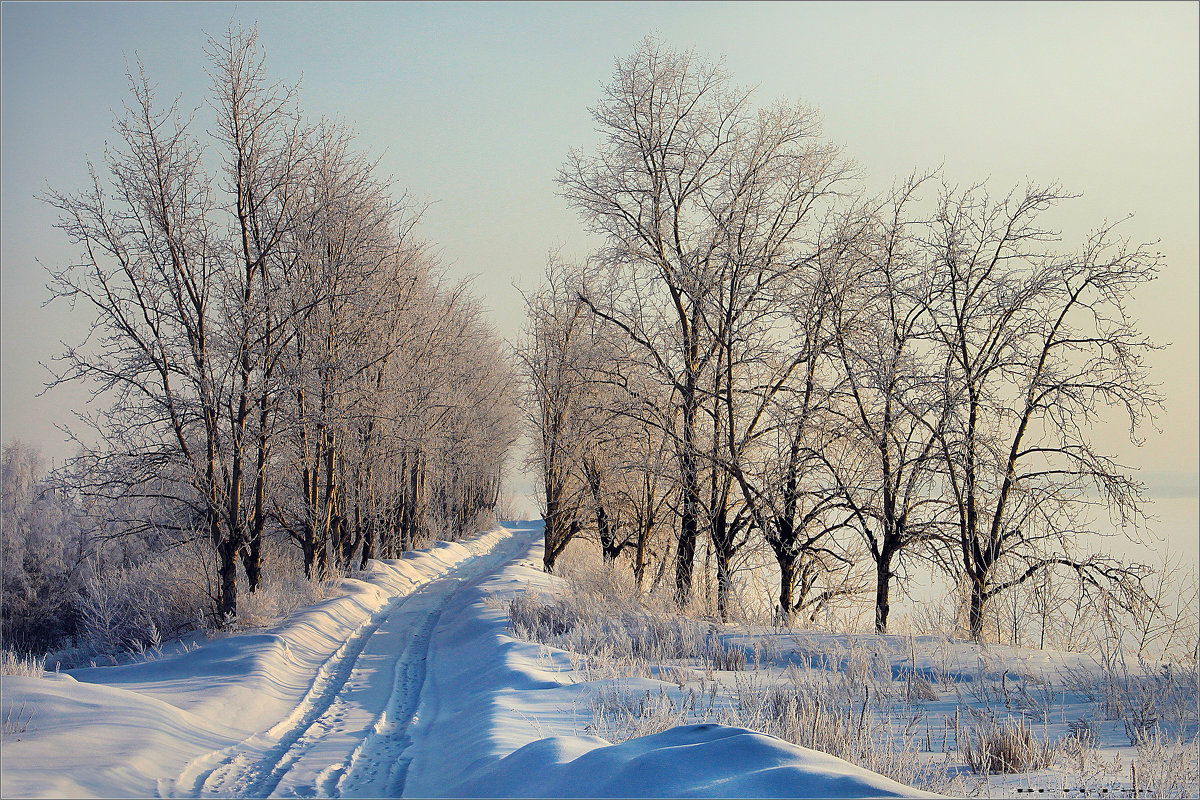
column 131, row 730
column 687, row 761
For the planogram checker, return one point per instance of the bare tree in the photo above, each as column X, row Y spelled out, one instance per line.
column 687, row 179
column 247, row 332
column 551, row 360
column 892, row 411
column 1037, row 346
column 264, row 162
column 152, row 271
column 771, row 317
column 352, row 263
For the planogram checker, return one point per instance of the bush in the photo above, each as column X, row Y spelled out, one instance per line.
column 1006, row 747
column 135, row 608
column 284, row 587
column 1167, row 767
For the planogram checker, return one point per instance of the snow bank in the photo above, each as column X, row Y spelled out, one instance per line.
column 303, row 709
column 688, row 761
column 91, row 740
column 501, row 718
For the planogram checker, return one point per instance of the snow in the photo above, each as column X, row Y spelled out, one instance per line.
column 686, row 761
column 406, row 682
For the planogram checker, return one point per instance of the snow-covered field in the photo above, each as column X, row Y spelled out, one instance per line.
column 943, row 714
column 408, row 681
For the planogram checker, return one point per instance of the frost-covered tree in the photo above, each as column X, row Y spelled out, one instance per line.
column 552, row 357
column 44, row 552
column 689, row 179
column 888, row 472
column 277, row 347
column 1036, row 345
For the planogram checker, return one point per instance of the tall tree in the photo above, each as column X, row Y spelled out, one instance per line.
column 551, row 358
column 264, row 159
column 890, row 407
column 154, row 272
column 1038, row 345
column 687, row 177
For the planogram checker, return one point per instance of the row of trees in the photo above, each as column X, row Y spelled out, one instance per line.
column 758, row 352
column 278, row 350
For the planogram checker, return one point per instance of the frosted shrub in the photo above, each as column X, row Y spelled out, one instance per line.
column 1168, row 767
column 29, row 666
column 537, row 619
column 136, row 608
column 284, row 587
column 817, row 711
column 1006, row 747
column 808, row 718
column 1166, row 699
column 1146, row 701
column 584, row 623
column 619, row 714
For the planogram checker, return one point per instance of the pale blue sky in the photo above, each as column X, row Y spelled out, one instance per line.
column 474, row 106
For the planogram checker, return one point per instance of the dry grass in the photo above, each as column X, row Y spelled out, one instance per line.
column 841, row 706
column 30, row 666
column 619, row 714
column 1004, row 748
column 1168, row 766
column 613, row 628
column 284, row 589
column 16, row 720
column 847, row 699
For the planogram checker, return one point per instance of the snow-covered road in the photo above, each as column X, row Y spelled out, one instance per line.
column 406, row 682
column 318, row 706
column 348, row 737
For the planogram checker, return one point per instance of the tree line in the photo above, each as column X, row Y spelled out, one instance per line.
column 275, row 349
column 761, row 353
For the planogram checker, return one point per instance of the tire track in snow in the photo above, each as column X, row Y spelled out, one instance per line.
column 237, row 775
column 377, row 766
column 258, row 765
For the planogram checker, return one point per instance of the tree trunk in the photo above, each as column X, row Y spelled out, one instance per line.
column 722, row 535
column 408, row 527
column 556, row 532
column 368, row 544
column 883, row 587
column 975, row 619
column 787, row 581
column 252, row 554
column 724, row 583
column 685, row 553
column 609, row 545
column 252, row 561
column 309, row 548
column 690, row 480
column 322, row 554
column 227, row 570
column 639, row 558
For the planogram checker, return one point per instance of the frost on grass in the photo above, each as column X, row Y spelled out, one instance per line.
column 30, row 666
column 16, row 719
column 1006, row 747
column 611, row 629
column 927, row 711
